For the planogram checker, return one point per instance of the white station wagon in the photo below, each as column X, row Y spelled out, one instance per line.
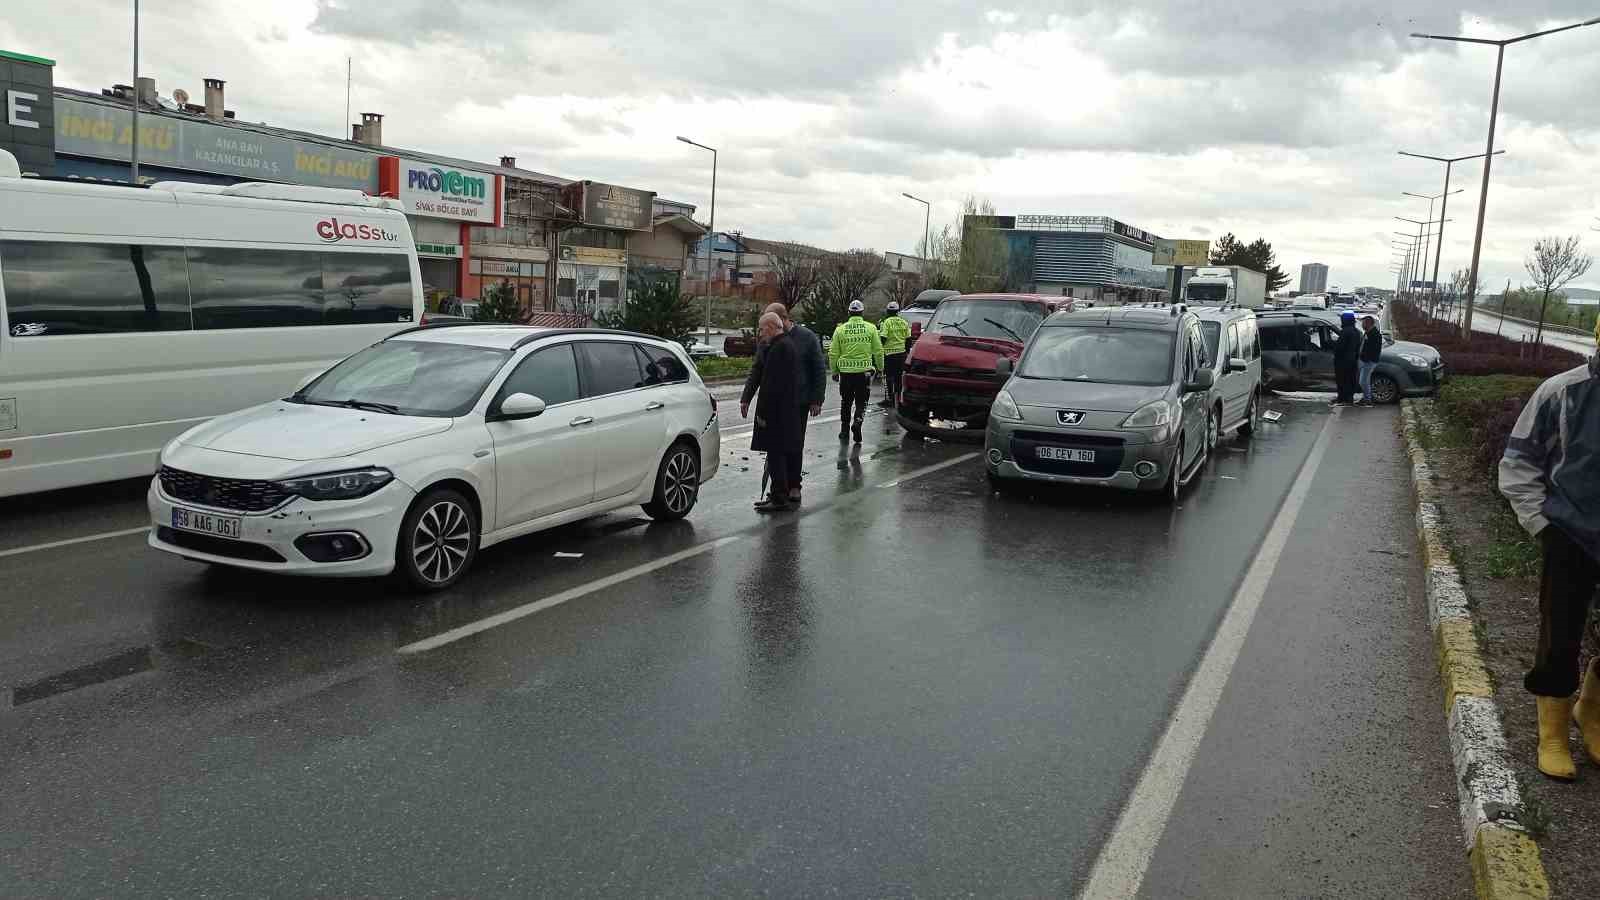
column 414, row 453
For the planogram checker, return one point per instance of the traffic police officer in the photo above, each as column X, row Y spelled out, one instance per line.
column 894, row 331
column 855, row 356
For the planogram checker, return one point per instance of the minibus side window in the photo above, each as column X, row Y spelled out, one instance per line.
column 366, row 288
column 56, row 288
column 239, row 288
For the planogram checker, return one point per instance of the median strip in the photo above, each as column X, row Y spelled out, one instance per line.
column 1505, row 860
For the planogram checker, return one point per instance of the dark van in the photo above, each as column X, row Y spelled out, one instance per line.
column 950, row 379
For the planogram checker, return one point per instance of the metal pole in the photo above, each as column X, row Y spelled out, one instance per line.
column 1444, row 207
column 349, row 70
column 1483, row 199
column 134, row 151
column 710, row 239
column 927, row 236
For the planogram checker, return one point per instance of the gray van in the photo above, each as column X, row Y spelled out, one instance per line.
column 1233, row 353
column 1118, row 397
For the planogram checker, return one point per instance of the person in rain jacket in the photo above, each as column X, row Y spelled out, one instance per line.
column 894, row 331
column 780, row 424
column 1550, row 473
column 1346, row 359
column 1371, row 353
column 854, row 357
column 813, row 384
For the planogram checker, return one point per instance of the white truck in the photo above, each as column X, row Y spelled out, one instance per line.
column 1222, row 285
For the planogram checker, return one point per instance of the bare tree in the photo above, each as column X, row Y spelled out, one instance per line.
column 843, row 277
column 1555, row 263
column 797, row 268
column 902, row 288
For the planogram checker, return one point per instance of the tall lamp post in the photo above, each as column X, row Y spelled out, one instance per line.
column 1488, row 150
column 134, row 149
column 927, row 226
column 1440, row 243
column 1445, row 207
column 711, row 232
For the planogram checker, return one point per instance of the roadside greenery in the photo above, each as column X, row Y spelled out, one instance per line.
column 724, row 366
column 498, row 304
column 656, row 306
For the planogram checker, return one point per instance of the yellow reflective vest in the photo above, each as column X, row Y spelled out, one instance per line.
column 855, row 348
column 895, row 331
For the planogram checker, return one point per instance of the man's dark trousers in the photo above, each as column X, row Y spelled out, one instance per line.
column 854, row 390
column 1566, row 590
column 893, row 365
column 1347, row 376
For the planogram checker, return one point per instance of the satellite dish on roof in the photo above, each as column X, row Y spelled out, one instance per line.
column 180, row 96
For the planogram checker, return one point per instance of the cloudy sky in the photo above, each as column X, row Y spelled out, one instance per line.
column 1273, row 118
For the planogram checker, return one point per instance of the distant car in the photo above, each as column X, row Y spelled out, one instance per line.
column 455, row 306
column 950, row 372
column 919, row 312
column 419, row 450
column 1233, row 353
column 699, row 350
column 1118, row 397
column 1297, row 355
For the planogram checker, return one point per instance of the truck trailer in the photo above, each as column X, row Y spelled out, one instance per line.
column 1224, row 285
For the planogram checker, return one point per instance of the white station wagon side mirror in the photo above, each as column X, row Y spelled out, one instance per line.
column 520, row 406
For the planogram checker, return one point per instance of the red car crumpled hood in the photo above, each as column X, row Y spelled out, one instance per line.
column 957, row 351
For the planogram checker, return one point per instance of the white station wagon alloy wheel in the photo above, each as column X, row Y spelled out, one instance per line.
column 438, row 540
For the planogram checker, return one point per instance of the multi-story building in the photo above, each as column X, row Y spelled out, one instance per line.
column 1313, row 278
column 1091, row 257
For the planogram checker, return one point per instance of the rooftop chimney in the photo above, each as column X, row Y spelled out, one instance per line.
column 147, row 90
column 214, row 98
column 372, row 129
column 509, row 162
column 355, row 132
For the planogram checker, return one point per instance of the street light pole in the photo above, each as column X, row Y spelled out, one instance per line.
column 927, row 225
column 1444, row 208
column 1488, row 150
column 134, row 151
column 711, row 233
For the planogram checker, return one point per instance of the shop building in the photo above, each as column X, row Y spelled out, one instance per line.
column 475, row 224
column 1090, row 257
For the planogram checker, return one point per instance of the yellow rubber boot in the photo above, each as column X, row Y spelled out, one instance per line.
column 1587, row 712
column 1555, row 754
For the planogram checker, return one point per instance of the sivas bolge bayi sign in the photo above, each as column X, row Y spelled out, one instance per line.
column 443, row 192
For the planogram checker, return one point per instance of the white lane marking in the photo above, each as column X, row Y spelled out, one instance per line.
column 582, row 590
column 748, row 431
column 929, row 470
column 107, row 535
column 1121, row 865
column 528, row 609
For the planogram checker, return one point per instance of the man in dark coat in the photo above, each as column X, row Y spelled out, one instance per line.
column 1371, row 354
column 1346, row 358
column 814, row 384
column 780, row 424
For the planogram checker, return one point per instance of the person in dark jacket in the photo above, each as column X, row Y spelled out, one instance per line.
column 814, row 384
column 1548, row 475
column 1346, row 355
column 780, row 425
column 1371, row 352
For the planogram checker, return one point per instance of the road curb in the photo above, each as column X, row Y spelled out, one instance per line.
column 1505, row 860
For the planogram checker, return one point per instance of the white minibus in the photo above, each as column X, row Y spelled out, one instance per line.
column 129, row 314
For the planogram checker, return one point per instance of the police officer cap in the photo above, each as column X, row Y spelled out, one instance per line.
column 857, row 306
column 892, row 307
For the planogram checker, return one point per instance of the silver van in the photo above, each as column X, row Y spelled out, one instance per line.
column 1233, row 353
column 1118, row 397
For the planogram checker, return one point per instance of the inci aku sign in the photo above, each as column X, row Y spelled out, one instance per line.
column 609, row 205
column 441, row 192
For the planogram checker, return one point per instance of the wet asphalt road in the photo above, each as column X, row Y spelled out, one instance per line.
column 913, row 688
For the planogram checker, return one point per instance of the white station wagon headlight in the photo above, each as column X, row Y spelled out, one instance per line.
column 345, row 485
